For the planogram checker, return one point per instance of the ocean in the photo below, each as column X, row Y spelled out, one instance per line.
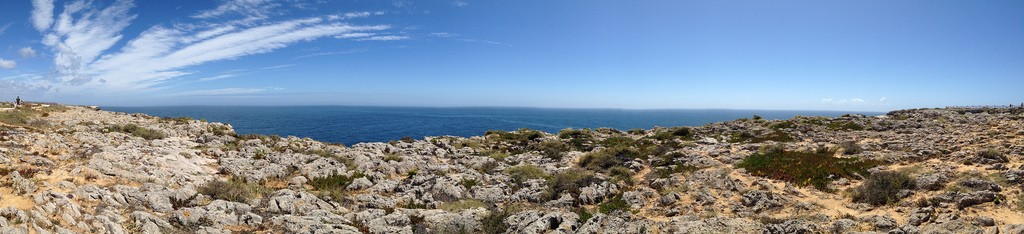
column 353, row 124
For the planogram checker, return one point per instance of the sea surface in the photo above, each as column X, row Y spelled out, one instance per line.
column 353, row 124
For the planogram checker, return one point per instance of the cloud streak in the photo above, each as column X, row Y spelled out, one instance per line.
column 27, row 52
column 82, row 39
column 220, row 92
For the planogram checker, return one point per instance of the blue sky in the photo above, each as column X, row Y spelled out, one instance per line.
column 805, row 55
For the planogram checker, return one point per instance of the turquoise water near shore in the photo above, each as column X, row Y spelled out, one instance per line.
column 353, row 124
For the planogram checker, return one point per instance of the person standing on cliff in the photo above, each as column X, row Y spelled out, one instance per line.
column 17, row 102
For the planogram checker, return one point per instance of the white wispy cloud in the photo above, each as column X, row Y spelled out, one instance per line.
column 251, row 9
column 460, row 3
column 5, row 27
column 884, row 101
column 27, row 52
column 42, row 14
column 384, row 38
column 352, row 51
column 220, row 92
column 7, row 64
column 217, row 77
column 482, row 41
column 443, row 34
column 82, row 40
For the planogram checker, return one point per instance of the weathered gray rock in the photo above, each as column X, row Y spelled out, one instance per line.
column 758, row 200
column 295, row 202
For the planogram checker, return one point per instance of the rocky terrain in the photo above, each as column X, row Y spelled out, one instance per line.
column 79, row 170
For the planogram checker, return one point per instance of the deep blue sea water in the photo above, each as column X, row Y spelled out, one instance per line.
column 352, row 124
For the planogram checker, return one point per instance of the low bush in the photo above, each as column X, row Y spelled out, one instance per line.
column 522, row 173
column 776, row 136
column 552, row 149
column 668, row 164
column 845, row 126
column 18, row 117
column 334, row 181
column 882, row 188
column 233, row 190
column 135, row 130
column 613, row 204
column 851, row 147
column 804, row 168
column 617, row 141
column 570, row 181
column 581, row 140
column 637, row 131
column 608, row 158
column 468, row 183
column 674, row 133
column 494, row 222
column 782, row 125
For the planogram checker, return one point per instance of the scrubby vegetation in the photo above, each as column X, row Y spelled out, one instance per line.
column 802, row 168
column 845, row 126
column 332, row 186
column 746, row 136
column 608, row 158
column 883, row 188
column 522, row 173
column 613, row 204
column 570, row 181
column 233, row 190
column 135, row 130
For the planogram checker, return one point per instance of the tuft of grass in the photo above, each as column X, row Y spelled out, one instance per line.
column 802, row 168
column 392, row 157
column 881, row 188
column 234, row 190
column 522, row 173
column 583, row 213
column 469, row 183
column 135, row 130
column 608, row 158
column 333, row 186
column 617, row 141
column 461, row 205
column 845, row 126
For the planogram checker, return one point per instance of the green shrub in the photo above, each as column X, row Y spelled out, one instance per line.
column 621, row 173
column 882, row 188
column 845, row 126
column 177, row 120
column 388, row 157
column 611, row 205
column 804, row 168
column 782, row 125
column 637, row 131
column 583, row 213
column 233, row 190
column 18, row 117
column 666, row 165
column 494, row 222
column 570, row 181
column 581, row 140
column 608, row 158
column 674, row 133
column 468, row 183
column 553, row 149
column 135, row 130
column 776, row 136
column 522, row 173
column 334, row 181
column 617, row 141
